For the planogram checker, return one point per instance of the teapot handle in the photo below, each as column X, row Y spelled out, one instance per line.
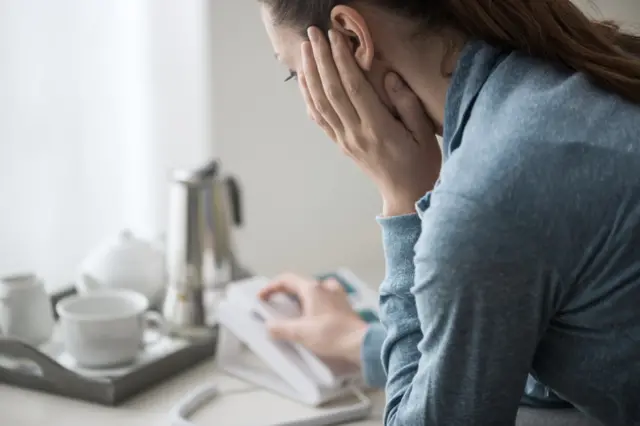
column 236, row 200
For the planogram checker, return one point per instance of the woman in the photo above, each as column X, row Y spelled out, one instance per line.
column 524, row 256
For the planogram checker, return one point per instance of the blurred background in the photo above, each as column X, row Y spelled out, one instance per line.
column 100, row 99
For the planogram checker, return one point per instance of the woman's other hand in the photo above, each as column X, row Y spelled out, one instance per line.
column 328, row 325
column 401, row 156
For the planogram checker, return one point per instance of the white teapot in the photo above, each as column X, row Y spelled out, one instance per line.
column 124, row 262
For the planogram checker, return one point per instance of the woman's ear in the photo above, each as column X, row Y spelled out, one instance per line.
column 349, row 22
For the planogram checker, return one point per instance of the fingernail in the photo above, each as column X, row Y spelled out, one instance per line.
column 396, row 83
column 333, row 37
column 306, row 51
column 313, row 35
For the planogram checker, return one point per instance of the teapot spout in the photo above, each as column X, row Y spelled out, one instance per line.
column 87, row 283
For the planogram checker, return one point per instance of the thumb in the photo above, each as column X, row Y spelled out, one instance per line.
column 409, row 108
column 293, row 330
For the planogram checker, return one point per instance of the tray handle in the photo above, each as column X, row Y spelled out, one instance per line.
column 48, row 369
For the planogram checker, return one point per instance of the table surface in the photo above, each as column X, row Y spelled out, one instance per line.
column 20, row 407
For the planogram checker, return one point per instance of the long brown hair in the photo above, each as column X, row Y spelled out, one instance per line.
column 555, row 30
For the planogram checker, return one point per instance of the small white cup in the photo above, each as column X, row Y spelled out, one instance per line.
column 106, row 328
column 25, row 309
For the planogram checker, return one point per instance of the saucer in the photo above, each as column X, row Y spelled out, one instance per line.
column 68, row 361
column 156, row 346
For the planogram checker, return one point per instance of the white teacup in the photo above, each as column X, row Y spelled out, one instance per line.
column 105, row 328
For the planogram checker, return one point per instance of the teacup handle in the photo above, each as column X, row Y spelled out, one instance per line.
column 156, row 321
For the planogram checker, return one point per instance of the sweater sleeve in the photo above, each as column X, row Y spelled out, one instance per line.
column 374, row 375
column 535, row 395
column 462, row 304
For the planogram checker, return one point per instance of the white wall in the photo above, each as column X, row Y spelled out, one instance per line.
column 626, row 12
column 98, row 99
column 181, row 98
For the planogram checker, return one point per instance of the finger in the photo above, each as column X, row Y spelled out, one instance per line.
column 330, row 78
column 409, row 108
column 292, row 284
column 274, row 288
column 289, row 330
column 311, row 108
column 363, row 97
column 316, row 91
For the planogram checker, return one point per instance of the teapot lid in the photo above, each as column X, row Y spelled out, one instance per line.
column 125, row 247
column 125, row 235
